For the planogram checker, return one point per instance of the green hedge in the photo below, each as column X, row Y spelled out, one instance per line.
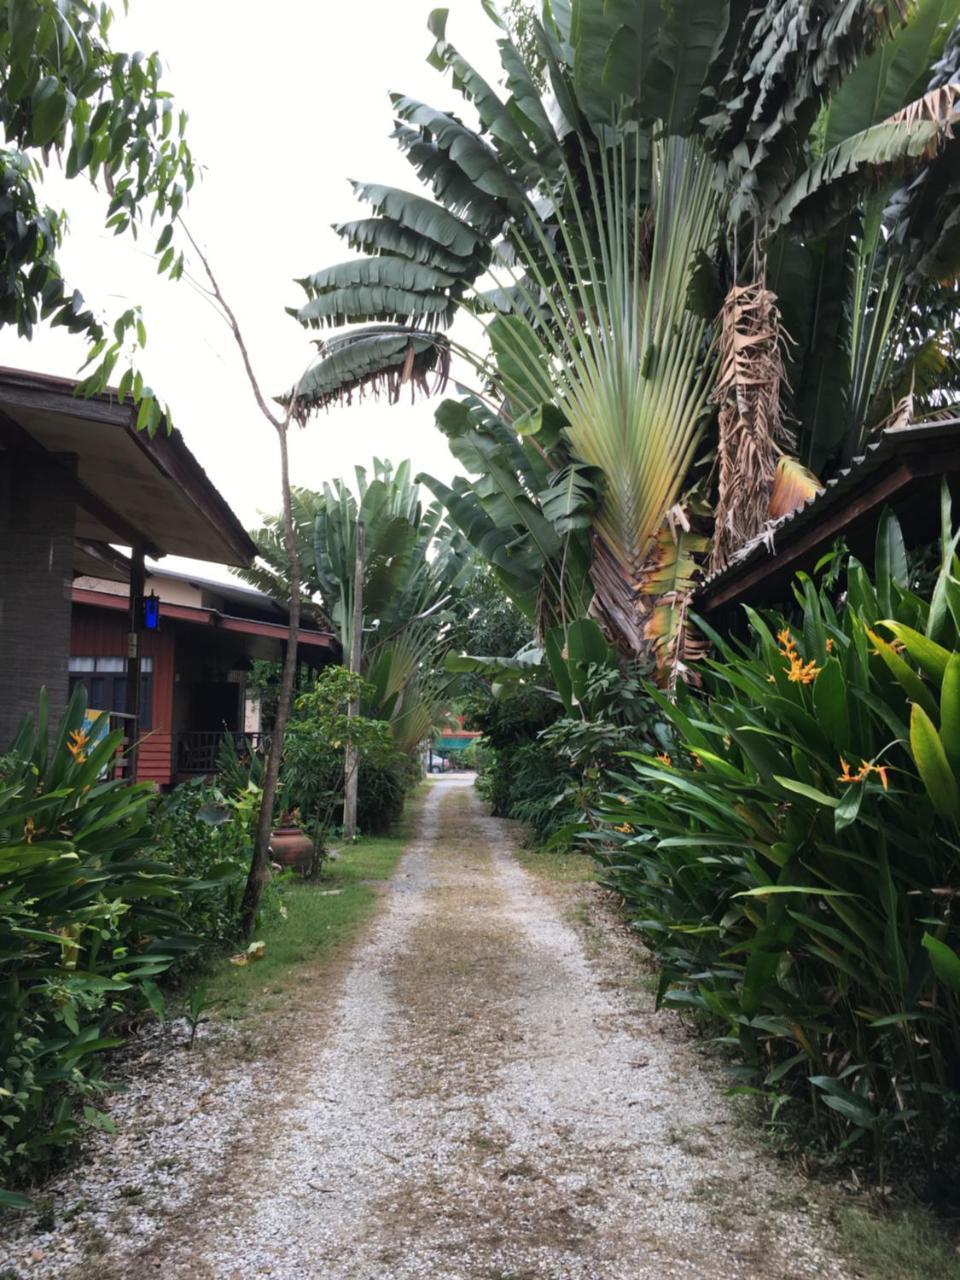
column 91, row 915
column 793, row 859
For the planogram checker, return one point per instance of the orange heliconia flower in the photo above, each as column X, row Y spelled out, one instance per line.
column 75, row 745
column 798, row 671
column 866, row 768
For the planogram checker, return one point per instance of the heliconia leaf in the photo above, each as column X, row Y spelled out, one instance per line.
column 932, row 764
column 930, row 657
column 852, row 1106
column 775, row 890
column 944, row 961
column 830, row 704
column 809, row 793
column 14, row 1200
column 908, row 679
column 890, row 560
column 950, row 711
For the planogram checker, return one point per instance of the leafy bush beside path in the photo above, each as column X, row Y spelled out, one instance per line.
column 793, row 859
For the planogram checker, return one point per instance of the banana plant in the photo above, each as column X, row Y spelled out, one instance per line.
column 412, row 559
column 681, row 152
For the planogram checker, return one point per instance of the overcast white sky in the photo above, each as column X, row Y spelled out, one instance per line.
column 287, row 101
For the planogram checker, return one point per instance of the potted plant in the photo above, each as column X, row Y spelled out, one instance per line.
column 290, row 846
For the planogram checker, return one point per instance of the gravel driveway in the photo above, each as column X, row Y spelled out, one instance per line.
column 482, row 1102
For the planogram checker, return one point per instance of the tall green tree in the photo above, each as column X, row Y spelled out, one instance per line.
column 412, row 561
column 625, row 241
column 102, row 115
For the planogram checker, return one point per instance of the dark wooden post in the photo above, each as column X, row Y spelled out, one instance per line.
column 134, row 653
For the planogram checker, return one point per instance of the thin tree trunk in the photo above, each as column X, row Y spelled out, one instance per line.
column 259, row 873
column 351, row 765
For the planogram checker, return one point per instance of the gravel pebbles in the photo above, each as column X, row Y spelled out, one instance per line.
column 482, row 1103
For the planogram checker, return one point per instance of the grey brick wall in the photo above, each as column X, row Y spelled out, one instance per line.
column 37, row 518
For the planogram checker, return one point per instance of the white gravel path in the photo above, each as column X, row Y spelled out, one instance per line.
column 486, row 1104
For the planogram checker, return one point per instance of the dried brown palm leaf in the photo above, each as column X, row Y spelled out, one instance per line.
column 753, row 435
column 669, row 579
column 939, row 106
column 616, row 604
column 902, row 414
column 793, row 486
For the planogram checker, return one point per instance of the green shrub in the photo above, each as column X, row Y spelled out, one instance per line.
column 208, row 841
column 546, row 768
column 793, row 860
column 313, row 758
column 89, row 917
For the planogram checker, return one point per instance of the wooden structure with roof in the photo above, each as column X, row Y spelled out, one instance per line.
column 902, row 468
column 75, row 477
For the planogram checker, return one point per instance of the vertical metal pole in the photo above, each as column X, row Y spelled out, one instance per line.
column 134, row 647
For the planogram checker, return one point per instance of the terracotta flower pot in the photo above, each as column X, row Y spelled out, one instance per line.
column 291, row 848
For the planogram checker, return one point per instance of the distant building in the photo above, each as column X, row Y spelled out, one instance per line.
column 194, row 666
column 451, row 741
column 77, row 480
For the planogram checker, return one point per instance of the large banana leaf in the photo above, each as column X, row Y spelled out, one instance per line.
column 822, row 194
column 893, row 75
column 385, row 235
column 385, row 358
column 412, row 559
column 925, row 215
column 451, row 186
column 498, row 121
column 470, row 153
column 679, row 138
column 423, row 216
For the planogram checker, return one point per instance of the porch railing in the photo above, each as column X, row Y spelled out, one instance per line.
column 124, row 758
column 197, row 752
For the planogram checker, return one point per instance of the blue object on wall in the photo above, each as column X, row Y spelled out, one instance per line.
column 151, row 612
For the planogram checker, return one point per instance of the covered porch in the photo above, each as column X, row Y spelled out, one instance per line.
column 75, row 477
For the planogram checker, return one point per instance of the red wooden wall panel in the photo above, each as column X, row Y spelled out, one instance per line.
column 102, row 633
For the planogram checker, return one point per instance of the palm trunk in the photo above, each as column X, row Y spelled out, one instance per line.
column 351, row 766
